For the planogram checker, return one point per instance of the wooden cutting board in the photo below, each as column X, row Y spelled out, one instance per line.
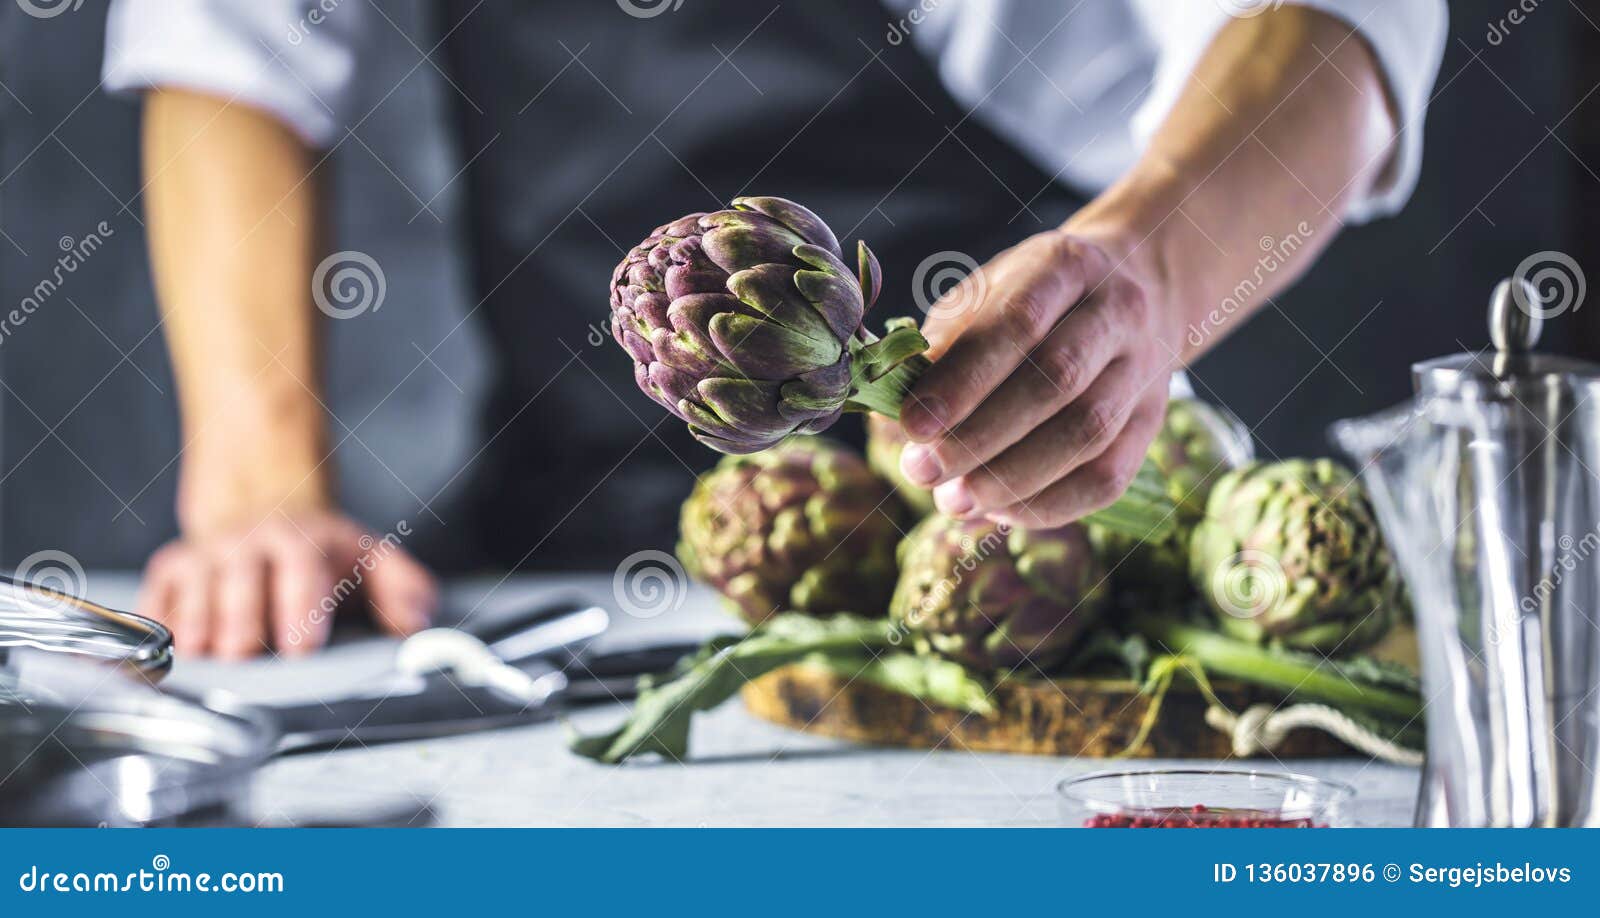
column 1071, row 717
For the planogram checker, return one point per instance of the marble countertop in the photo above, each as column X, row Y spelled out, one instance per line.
column 743, row 771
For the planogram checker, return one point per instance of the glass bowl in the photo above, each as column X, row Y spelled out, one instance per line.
column 1183, row 798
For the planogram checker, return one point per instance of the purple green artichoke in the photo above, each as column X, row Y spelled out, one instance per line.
column 1198, row 443
column 747, row 324
column 804, row 526
column 886, row 440
column 994, row 598
column 1290, row 552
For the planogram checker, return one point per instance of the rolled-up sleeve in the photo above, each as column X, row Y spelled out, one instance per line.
column 1407, row 38
column 295, row 59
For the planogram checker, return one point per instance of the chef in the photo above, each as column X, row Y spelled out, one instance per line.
column 1114, row 166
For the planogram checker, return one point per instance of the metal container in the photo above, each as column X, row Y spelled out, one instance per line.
column 86, row 746
column 41, row 619
column 1487, row 485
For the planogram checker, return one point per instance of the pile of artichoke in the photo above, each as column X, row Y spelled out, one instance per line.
column 1290, row 552
column 1282, row 553
column 804, row 526
column 997, row 598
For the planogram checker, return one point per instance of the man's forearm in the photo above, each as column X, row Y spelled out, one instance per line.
column 1284, row 121
column 232, row 219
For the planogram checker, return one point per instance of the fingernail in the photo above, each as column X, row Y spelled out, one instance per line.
column 919, row 464
column 953, row 498
column 923, row 417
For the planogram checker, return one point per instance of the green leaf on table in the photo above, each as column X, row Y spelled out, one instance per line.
column 659, row 721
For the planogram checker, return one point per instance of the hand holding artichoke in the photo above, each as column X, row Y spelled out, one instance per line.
column 804, row 527
column 995, row 598
column 747, row 324
column 1291, row 552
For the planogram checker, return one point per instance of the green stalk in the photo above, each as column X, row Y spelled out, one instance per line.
column 1297, row 675
column 883, row 370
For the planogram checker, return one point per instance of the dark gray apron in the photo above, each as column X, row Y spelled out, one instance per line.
column 587, row 128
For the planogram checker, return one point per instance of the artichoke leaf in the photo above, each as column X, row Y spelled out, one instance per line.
column 766, row 350
column 659, row 721
column 771, row 291
column 746, row 405
column 796, row 217
column 869, row 273
column 1144, row 512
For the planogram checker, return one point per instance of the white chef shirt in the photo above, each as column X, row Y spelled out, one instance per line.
column 1078, row 86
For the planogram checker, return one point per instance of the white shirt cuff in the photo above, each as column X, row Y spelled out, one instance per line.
column 1407, row 39
column 294, row 60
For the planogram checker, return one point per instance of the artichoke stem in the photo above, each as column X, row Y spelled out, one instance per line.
column 1234, row 659
column 883, row 370
column 885, row 394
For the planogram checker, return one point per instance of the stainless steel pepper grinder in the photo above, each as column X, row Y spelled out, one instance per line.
column 1487, row 485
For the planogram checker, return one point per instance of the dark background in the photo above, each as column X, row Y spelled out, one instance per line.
column 89, row 442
